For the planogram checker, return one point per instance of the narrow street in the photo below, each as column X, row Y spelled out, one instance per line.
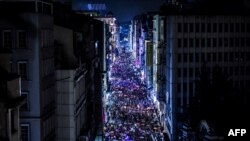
column 130, row 113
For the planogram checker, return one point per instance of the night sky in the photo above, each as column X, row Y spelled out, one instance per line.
column 124, row 10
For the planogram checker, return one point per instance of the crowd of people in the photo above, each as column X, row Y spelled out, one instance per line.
column 130, row 113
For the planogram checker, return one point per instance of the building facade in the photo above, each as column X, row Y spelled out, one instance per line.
column 10, row 100
column 28, row 31
column 202, row 42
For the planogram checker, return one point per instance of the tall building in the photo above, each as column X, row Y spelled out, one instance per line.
column 10, row 99
column 27, row 30
column 79, row 43
column 199, row 57
column 198, row 46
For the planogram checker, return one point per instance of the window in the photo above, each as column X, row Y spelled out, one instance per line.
column 237, row 27
column 214, row 57
column 185, row 42
column 242, row 71
column 203, row 27
column 7, row 39
column 231, row 71
column 184, row 57
column 191, row 42
column 236, row 71
column 25, row 132
column 248, row 27
column 190, row 57
column 179, row 101
column 208, row 57
column 197, row 72
column 22, row 69
column 231, row 42
column 220, row 42
column 25, row 106
column 191, row 88
column 214, row 27
column 225, row 57
column 179, row 72
column 236, row 56
column 225, row 70
column 214, row 42
column 21, row 39
column 190, row 72
column 220, row 27
column 197, row 57
column 179, row 43
column 248, row 70
column 197, row 27
column 231, row 56
column 209, row 27
column 231, row 27
column 202, row 42
column 225, row 27
column 237, row 42
column 197, row 42
column 242, row 27
column 179, row 58
column 248, row 42
column 225, row 42
column 191, row 27
column 202, row 57
column 185, row 28
column 184, row 90
column 184, row 72
column 13, row 121
column 242, row 42
column 242, row 56
column 179, row 27
column 208, row 42
column 219, row 56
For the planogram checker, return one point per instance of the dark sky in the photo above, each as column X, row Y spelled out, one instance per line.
column 124, row 10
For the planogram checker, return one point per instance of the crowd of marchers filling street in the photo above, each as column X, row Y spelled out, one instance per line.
column 130, row 113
